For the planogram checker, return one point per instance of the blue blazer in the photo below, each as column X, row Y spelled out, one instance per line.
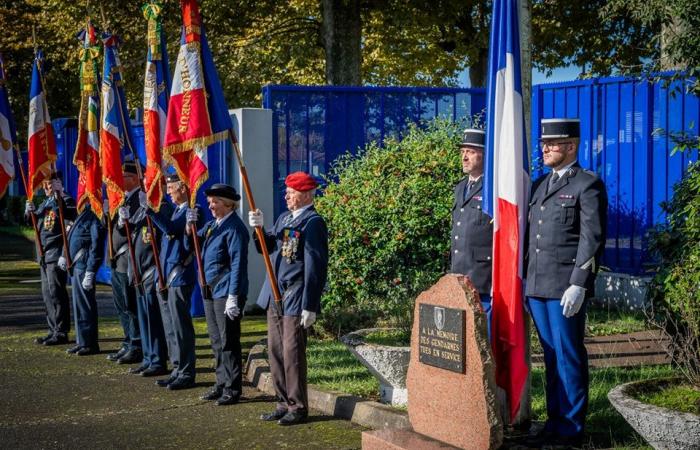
column 301, row 276
column 225, row 256
column 88, row 234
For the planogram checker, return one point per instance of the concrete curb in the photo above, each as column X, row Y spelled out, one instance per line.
column 343, row 406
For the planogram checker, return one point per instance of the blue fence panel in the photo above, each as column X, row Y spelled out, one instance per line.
column 313, row 125
column 619, row 117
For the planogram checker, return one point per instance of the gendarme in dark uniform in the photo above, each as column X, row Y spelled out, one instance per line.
column 566, row 239
column 472, row 229
column 53, row 276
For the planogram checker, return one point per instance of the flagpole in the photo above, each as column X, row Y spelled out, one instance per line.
column 31, row 214
column 259, row 229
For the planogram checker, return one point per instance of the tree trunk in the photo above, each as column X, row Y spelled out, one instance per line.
column 342, row 31
column 478, row 70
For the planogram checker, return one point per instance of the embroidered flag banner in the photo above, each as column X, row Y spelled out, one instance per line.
column 155, row 103
column 506, row 191
column 8, row 135
column 197, row 111
column 86, row 156
column 42, row 143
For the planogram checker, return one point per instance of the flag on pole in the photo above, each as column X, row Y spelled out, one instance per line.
column 197, row 111
column 42, row 144
column 116, row 134
column 155, row 103
column 87, row 150
column 8, row 135
column 506, row 192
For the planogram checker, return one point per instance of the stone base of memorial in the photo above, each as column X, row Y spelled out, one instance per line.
column 451, row 381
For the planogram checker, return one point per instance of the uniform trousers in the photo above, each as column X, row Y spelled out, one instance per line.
column 168, row 331
column 53, row 289
column 179, row 302
column 566, row 364
column 486, row 304
column 125, row 303
column 286, row 347
column 225, row 337
column 84, row 312
column 154, row 346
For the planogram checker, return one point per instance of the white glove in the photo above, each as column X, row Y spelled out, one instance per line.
column 29, row 208
column 572, row 300
column 307, row 318
column 232, row 309
column 255, row 218
column 191, row 215
column 57, row 186
column 123, row 215
column 62, row 264
column 88, row 281
column 143, row 200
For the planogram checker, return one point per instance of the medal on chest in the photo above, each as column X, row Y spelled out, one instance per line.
column 290, row 244
column 145, row 236
column 49, row 220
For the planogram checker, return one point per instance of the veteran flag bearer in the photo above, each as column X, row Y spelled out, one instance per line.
column 566, row 239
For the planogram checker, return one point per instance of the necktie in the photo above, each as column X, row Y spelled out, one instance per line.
column 470, row 186
column 552, row 181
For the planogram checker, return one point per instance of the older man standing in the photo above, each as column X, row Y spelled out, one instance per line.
column 566, row 239
column 299, row 251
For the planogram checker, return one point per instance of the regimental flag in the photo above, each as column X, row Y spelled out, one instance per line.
column 116, row 134
column 8, row 135
column 42, row 144
column 155, row 103
column 197, row 111
column 506, row 192
column 87, row 150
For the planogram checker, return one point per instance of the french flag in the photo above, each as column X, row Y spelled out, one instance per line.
column 8, row 135
column 155, row 104
column 506, row 192
column 42, row 144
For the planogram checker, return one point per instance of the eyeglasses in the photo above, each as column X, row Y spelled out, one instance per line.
column 550, row 145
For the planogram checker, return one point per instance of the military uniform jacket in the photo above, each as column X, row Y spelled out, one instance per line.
column 225, row 256
column 49, row 222
column 472, row 237
column 120, row 247
column 566, row 233
column 299, row 254
column 86, row 241
column 176, row 260
column 141, row 240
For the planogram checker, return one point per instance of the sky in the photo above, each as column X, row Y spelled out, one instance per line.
column 562, row 74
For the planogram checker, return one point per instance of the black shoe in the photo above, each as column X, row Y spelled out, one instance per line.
column 541, row 438
column 566, row 441
column 56, row 340
column 41, row 339
column 228, row 398
column 181, row 383
column 212, row 394
column 166, row 381
column 133, row 356
column 115, row 356
column 88, row 351
column 277, row 415
column 137, row 370
column 73, row 349
column 293, row 418
column 155, row 372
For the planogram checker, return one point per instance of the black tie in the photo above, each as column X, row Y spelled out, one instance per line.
column 470, row 186
column 552, row 181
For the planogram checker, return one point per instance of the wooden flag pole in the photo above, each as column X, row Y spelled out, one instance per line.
column 40, row 247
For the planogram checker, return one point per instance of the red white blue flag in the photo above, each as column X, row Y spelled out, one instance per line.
column 8, row 135
column 197, row 111
column 42, row 143
column 116, row 135
column 506, row 192
column 155, row 103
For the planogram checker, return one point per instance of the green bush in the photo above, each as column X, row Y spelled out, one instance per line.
column 676, row 286
column 388, row 214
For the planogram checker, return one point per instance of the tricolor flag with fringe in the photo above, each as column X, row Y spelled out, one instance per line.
column 87, row 150
column 155, row 103
column 197, row 111
column 506, row 192
column 116, row 134
column 42, row 143
column 8, row 135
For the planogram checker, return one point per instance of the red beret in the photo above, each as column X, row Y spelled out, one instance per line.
column 300, row 181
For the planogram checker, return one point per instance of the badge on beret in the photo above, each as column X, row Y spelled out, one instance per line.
column 49, row 220
column 290, row 244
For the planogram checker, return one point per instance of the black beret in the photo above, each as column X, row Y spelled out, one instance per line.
column 473, row 137
column 172, row 178
column 222, row 190
column 560, row 128
column 57, row 175
column 129, row 166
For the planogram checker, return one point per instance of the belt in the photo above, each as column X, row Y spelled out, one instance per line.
column 121, row 250
column 147, row 274
column 216, row 280
column 79, row 255
column 179, row 268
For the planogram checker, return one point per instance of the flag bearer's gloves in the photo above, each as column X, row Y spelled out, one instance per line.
column 192, row 215
column 123, row 215
column 29, row 208
column 143, row 200
column 232, row 309
column 307, row 318
column 62, row 264
column 572, row 300
column 88, row 281
column 255, row 218
column 57, row 186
